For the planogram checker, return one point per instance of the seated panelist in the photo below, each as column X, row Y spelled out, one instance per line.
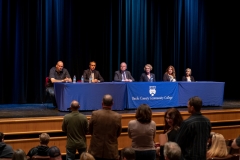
column 123, row 74
column 94, row 74
column 188, row 76
column 170, row 74
column 147, row 76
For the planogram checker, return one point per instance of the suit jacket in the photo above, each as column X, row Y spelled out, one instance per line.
column 166, row 77
column 105, row 127
column 185, row 79
column 97, row 75
column 144, row 77
column 118, row 75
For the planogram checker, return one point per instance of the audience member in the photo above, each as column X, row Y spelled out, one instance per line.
column 86, row 156
column 123, row 74
column 142, row 131
column 128, row 153
column 172, row 151
column 54, row 153
column 236, row 143
column 218, row 147
column 194, row 132
column 75, row 125
column 19, row 154
column 170, row 74
column 105, row 127
column 188, row 77
column 6, row 150
column 91, row 72
column 172, row 121
column 57, row 74
column 42, row 149
column 147, row 76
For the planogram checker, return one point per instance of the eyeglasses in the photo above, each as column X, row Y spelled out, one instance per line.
column 168, row 118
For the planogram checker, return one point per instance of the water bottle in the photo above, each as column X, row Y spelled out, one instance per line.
column 90, row 79
column 74, row 79
column 82, row 79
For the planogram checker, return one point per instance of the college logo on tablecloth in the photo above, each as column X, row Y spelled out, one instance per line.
column 152, row 90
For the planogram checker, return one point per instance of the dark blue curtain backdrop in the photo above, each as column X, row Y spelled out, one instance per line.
column 35, row 34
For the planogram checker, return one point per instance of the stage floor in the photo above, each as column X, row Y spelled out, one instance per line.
column 47, row 109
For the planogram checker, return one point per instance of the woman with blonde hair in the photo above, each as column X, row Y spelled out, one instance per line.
column 218, row 147
column 86, row 156
column 19, row 154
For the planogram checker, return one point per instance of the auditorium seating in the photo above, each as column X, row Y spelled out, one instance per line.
column 24, row 132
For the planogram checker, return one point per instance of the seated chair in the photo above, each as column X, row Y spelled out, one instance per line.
column 228, row 157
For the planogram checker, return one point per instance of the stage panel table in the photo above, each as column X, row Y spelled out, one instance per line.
column 90, row 95
column 211, row 93
column 155, row 94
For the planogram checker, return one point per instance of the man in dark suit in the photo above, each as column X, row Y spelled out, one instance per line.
column 123, row 74
column 91, row 72
column 105, row 127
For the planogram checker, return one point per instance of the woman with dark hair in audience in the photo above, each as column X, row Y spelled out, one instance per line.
column 19, row 154
column 170, row 74
column 172, row 121
column 147, row 76
column 218, row 147
column 142, row 132
column 188, row 77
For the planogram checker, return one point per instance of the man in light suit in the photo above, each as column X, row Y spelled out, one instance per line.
column 105, row 127
column 96, row 76
column 123, row 74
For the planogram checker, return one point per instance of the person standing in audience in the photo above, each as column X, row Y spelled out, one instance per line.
column 142, row 131
column 94, row 74
column 170, row 74
column 123, row 74
column 19, row 154
column 194, row 132
column 75, row 125
column 172, row 120
column 105, row 126
column 172, row 151
column 188, row 77
column 57, row 74
column 147, row 76
column 42, row 149
column 218, row 146
column 128, row 153
column 6, row 150
column 236, row 143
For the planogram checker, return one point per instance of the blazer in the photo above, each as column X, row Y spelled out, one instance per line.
column 118, row 75
column 191, row 78
column 105, row 126
column 166, row 77
column 144, row 77
column 97, row 75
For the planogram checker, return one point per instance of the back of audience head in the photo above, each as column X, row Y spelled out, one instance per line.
column 172, row 151
column 172, row 118
column 44, row 138
column 144, row 113
column 19, row 154
column 55, row 153
column 128, row 153
column 86, row 156
column 196, row 102
column 218, row 147
column 1, row 137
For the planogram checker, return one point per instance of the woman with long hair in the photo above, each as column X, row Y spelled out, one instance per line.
column 170, row 74
column 218, row 147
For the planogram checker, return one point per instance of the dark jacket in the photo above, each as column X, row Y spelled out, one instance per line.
column 6, row 150
column 39, row 150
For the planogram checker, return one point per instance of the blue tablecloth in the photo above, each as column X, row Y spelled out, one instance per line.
column 90, row 95
column 129, row 95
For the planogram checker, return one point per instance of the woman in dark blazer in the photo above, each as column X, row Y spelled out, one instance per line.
column 147, row 76
column 188, row 76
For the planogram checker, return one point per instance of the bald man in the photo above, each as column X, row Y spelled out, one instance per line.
column 57, row 74
column 105, row 127
column 75, row 125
